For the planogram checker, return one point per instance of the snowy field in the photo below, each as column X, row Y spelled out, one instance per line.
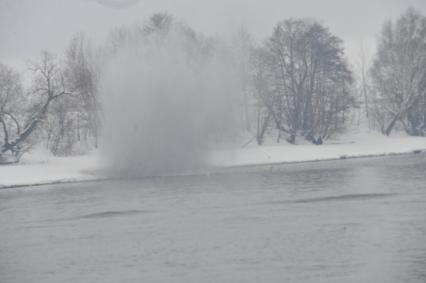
column 38, row 168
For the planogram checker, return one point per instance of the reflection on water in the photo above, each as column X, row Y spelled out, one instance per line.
column 348, row 221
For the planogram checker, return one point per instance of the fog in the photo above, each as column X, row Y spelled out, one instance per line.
column 168, row 99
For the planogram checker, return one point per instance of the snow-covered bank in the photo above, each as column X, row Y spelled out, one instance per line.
column 349, row 147
column 38, row 169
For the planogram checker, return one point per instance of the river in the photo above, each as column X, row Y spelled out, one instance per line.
column 358, row 220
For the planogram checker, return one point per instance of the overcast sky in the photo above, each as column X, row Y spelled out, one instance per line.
column 28, row 26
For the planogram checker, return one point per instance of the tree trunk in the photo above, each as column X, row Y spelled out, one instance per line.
column 392, row 124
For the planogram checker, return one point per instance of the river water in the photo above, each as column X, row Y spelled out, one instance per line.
column 337, row 221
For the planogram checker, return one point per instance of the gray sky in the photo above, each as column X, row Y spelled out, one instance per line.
column 28, row 26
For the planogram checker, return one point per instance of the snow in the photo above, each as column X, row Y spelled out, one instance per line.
column 41, row 168
column 357, row 145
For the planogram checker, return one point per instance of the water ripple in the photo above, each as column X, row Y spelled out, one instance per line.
column 346, row 197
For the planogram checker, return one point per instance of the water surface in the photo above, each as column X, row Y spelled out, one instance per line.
column 337, row 221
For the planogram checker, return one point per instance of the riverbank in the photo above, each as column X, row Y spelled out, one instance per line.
column 40, row 169
column 354, row 146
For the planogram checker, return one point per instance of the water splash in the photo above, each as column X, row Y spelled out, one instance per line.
column 168, row 98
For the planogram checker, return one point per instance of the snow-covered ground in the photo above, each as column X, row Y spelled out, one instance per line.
column 39, row 168
column 356, row 145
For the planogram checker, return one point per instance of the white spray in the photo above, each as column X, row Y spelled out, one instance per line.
column 168, row 99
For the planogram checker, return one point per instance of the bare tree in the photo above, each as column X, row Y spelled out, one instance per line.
column 48, row 87
column 81, row 76
column 363, row 83
column 242, row 49
column 260, row 81
column 309, row 81
column 399, row 75
column 158, row 23
column 12, row 102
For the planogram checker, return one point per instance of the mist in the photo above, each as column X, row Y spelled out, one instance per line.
column 168, row 98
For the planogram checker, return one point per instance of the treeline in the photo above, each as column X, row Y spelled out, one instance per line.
column 58, row 108
column 296, row 84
